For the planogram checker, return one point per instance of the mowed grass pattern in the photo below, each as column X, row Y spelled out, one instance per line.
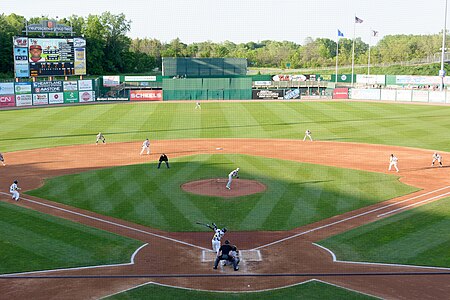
column 377, row 123
column 416, row 237
column 297, row 193
column 32, row 241
column 310, row 290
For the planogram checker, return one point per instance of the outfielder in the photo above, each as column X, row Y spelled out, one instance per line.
column 100, row 137
column 2, row 159
column 145, row 146
column 393, row 160
column 234, row 173
column 13, row 189
column 218, row 234
column 437, row 157
column 307, row 134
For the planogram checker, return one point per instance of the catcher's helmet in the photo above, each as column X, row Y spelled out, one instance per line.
column 227, row 242
column 16, row 182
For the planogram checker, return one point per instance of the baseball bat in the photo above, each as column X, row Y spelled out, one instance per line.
column 201, row 223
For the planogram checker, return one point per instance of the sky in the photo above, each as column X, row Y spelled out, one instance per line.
column 242, row 21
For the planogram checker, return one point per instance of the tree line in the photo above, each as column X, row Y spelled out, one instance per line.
column 111, row 51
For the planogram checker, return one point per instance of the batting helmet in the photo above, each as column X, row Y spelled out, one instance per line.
column 224, row 229
column 16, row 182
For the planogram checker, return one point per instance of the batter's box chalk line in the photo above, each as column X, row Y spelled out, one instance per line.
column 244, row 255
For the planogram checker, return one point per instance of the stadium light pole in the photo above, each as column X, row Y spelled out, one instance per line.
column 444, row 33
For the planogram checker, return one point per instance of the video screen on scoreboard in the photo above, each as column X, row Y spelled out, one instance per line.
column 51, row 56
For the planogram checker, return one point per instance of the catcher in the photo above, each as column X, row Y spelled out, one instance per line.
column 225, row 251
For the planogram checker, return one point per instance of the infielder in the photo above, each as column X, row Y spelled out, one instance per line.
column 145, row 146
column 197, row 105
column 393, row 160
column 234, row 173
column 100, row 137
column 13, row 189
column 2, row 159
column 308, row 134
column 437, row 157
column 218, row 234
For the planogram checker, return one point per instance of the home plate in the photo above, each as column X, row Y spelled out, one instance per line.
column 244, row 255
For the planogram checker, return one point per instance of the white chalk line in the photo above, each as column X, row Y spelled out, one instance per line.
column 79, row 268
column 377, row 264
column 347, row 219
column 111, row 223
column 413, row 204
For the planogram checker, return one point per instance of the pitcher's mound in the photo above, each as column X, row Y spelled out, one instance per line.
column 217, row 187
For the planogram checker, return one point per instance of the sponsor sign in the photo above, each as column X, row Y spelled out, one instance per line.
column 420, row 96
column 403, row 95
column 140, row 78
column 417, row 80
column 21, row 42
column 437, row 96
column 388, row 94
column 292, row 94
column 267, row 94
column 79, row 43
column 86, row 96
column 7, row 100
column 80, row 61
column 365, row 94
column 47, row 87
column 146, row 95
column 262, row 83
column 21, row 69
column 111, row 80
column 40, row 99
column 24, row 100
column 22, row 88
column 7, row 88
column 70, row 97
column 85, row 85
column 70, row 86
column 55, row 98
column 340, row 93
column 371, row 79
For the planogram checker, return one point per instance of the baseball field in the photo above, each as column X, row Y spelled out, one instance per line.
column 98, row 221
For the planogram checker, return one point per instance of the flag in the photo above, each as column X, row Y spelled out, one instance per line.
column 374, row 33
column 340, row 33
column 358, row 20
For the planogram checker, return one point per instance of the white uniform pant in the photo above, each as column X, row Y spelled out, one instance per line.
column 15, row 195
column 393, row 164
column 307, row 135
column 230, row 179
column 145, row 148
column 215, row 246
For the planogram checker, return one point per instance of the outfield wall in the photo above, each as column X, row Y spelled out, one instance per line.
column 400, row 95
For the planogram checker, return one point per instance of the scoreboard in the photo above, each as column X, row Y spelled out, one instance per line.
column 34, row 57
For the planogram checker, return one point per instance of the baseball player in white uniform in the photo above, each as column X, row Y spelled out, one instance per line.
column 218, row 234
column 13, row 189
column 393, row 160
column 145, row 146
column 197, row 105
column 2, row 159
column 437, row 157
column 100, row 137
column 307, row 135
column 234, row 173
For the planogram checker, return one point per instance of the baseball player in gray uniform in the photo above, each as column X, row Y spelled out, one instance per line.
column 234, row 173
column 145, row 146
column 14, row 190
column 437, row 157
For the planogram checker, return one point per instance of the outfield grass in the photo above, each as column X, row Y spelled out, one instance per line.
column 416, row 237
column 297, row 193
column 32, row 241
column 418, row 126
column 310, row 290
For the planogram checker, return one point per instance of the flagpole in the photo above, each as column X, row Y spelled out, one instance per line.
column 353, row 47
column 337, row 58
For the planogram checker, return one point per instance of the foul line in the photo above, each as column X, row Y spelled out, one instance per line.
column 347, row 219
column 111, row 223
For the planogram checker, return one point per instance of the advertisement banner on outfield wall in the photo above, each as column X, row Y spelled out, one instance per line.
column 340, row 93
column 417, row 80
column 86, row 96
column 404, row 95
column 292, row 94
column 146, row 95
column 47, row 87
column 70, row 86
column 371, row 79
column 40, row 99
column 85, row 85
column 55, row 98
column 140, row 78
column 24, row 100
column 262, row 83
column 420, row 96
column 365, row 94
column 437, row 96
column 70, row 97
column 111, row 80
column 267, row 94
column 7, row 88
column 388, row 94
column 22, row 88
column 7, row 100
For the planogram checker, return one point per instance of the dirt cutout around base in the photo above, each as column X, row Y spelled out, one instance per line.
column 216, row 187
